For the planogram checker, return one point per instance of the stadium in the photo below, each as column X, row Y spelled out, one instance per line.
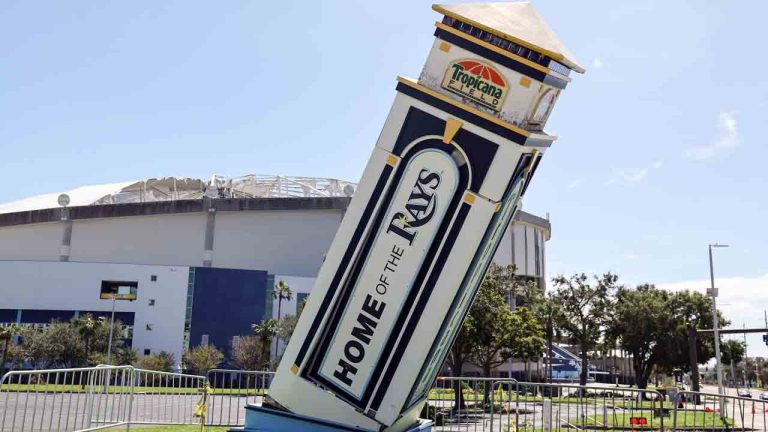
column 202, row 256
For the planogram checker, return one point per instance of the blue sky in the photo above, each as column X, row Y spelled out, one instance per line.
column 661, row 147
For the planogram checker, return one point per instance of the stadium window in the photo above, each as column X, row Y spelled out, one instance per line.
column 153, row 278
column 151, row 302
column 147, row 351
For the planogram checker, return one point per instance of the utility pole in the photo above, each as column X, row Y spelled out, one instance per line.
column 746, row 358
column 715, row 319
column 111, row 328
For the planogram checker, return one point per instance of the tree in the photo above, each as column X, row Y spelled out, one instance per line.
column 287, row 324
column 88, row 328
column 641, row 320
column 202, row 358
column 266, row 331
column 7, row 333
column 125, row 356
column 281, row 292
column 732, row 351
column 460, row 353
column 248, row 352
column 161, row 362
column 585, row 308
column 527, row 338
column 53, row 345
column 549, row 313
column 493, row 321
column 652, row 326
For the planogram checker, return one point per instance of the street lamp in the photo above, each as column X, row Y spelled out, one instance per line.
column 713, row 292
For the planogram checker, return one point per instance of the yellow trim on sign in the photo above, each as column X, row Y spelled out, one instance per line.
column 469, row 198
column 295, row 369
column 557, row 56
column 530, row 162
column 452, row 127
column 498, row 207
column 392, row 160
column 498, row 50
column 467, row 108
column 445, row 46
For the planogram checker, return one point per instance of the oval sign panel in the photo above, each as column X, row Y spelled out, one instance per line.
column 416, row 211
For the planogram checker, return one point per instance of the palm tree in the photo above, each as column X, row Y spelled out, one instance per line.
column 265, row 331
column 7, row 332
column 281, row 292
column 88, row 328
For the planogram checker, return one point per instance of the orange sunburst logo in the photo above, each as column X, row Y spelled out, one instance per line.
column 477, row 81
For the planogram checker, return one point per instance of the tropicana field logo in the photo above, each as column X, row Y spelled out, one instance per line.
column 477, row 81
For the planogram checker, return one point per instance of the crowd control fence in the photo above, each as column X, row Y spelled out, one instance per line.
column 104, row 397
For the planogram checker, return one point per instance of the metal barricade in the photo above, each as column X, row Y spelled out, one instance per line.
column 499, row 404
column 231, row 391
column 77, row 399
column 165, row 398
column 715, row 412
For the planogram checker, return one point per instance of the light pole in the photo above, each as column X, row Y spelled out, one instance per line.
column 111, row 328
column 715, row 320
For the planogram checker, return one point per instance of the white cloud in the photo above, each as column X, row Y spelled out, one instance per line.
column 634, row 175
column 597, row 63
column 729, row 138
column 631, row 255
column 574, row 184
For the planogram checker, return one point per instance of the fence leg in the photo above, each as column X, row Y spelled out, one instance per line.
column 547, row 415
column 132, row 375
column 605, row 417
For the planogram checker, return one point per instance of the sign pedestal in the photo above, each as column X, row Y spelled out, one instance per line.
column 261, row 419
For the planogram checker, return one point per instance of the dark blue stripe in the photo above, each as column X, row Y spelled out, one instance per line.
column 343, row 264
column 419, row 307
column 462, row 114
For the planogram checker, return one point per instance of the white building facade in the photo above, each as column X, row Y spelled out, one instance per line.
column 205, row 267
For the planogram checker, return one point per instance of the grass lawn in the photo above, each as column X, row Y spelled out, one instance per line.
column 187, row 428
column 684, row 419
column 506, row 396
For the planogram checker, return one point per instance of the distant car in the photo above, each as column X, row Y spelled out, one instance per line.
column 744, row 393
column 764, row 396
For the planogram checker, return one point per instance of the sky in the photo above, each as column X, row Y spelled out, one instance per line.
column 660, row 148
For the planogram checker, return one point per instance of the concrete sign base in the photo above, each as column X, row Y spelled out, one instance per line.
column 258, row 418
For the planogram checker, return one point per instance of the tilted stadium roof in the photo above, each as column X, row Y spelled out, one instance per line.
column 179, row 188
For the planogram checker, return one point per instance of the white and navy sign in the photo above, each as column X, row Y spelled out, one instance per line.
column 401, row 243
column 406, row 263
column 398, row 262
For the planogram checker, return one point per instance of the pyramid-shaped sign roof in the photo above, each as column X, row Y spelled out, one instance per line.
column 518, row 22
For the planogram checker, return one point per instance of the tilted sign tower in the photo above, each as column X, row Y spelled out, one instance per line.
column 457, row 152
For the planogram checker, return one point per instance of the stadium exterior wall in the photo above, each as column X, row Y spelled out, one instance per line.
column 37, row 291
column 249, row 244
